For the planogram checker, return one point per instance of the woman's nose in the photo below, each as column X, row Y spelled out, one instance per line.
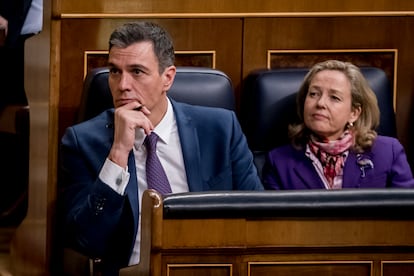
column 321, row 101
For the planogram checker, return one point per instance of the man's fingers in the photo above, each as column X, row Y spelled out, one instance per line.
column 138, row 108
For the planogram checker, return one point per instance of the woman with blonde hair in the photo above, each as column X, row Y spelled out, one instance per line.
column 335, row 144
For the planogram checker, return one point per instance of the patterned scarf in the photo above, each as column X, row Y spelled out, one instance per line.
column 331, row 154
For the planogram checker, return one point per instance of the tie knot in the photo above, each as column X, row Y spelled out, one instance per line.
column 150, row 142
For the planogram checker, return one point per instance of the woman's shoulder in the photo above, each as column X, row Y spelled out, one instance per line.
column 386, row 140
column 384, row 145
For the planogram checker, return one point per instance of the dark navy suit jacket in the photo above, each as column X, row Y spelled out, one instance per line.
column 100, row 222
column 287, row 168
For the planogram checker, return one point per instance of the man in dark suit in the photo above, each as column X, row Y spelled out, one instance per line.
column 103, row 159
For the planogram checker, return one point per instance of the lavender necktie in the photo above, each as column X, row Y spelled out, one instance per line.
column 156, row 177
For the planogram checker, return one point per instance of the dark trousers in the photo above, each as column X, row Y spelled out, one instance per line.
column 12, row 89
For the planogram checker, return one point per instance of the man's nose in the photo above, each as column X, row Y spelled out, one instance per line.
column 124, row 82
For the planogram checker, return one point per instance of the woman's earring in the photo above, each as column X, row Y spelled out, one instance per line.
column 349, row 125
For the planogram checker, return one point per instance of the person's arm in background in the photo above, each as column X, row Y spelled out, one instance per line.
column 15, row 12
column 3, row 29
column 33, row 22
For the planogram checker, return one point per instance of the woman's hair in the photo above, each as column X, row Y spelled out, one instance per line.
column 362, row 96
column 133, row 32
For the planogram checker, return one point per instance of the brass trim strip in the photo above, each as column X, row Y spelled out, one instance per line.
column 236, row 15
column 394, row 262
column 100, row 52
column 85, row 59
column 250, row 264
column 186, row 265
column 211, row 52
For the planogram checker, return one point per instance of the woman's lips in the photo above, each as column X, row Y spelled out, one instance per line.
column 319, row 116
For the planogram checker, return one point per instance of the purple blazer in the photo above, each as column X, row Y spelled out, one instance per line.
column 287, row 168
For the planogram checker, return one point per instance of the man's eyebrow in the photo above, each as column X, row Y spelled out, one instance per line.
column 129, row 67
column 138, row 66
column 133, row 66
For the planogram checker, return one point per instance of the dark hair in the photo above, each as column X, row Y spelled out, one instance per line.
column 133, row 32
column 362, row 96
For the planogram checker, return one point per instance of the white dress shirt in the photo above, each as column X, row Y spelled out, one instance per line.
column 34, row 19
column 170, row 154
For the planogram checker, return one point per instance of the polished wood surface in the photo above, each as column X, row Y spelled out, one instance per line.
column 272, row 246
column 189, row 35
column 242, row 46
column 229, row 6
column 241, row 33
column 31, row 242
column 349, row 33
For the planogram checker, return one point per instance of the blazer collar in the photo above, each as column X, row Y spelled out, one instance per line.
column 190, row 145
column 307, row 172
column 352, row 170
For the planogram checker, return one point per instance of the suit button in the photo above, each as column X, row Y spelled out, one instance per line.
column 99, row 205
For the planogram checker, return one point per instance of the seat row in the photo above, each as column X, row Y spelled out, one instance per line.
column 267, row 100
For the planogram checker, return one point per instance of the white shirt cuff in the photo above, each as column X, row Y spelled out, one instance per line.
column 114, row 176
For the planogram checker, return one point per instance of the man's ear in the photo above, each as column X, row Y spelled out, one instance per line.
column 168, row 77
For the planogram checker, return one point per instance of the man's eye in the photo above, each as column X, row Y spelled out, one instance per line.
column 137, row 71
column 113, row 71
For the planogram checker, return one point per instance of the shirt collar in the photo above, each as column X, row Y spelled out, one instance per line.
column 163, row 129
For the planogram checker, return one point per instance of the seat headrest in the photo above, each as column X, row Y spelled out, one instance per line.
column 203, row 86
column 96, row 95
column 193, row 85
column 268, row 104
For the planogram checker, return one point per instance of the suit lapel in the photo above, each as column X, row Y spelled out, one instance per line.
column 109, row 128
column 190, row 146
column 352, row 172
column 132, row 189
column 307, row 173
